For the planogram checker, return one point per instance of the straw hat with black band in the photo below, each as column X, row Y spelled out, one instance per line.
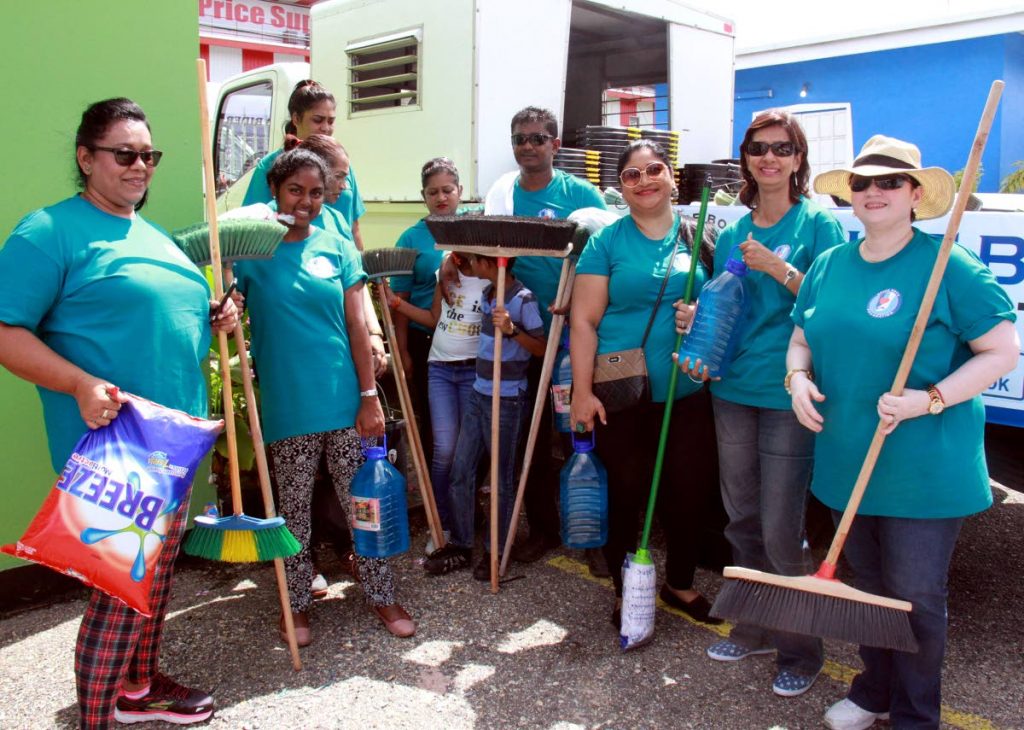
column 883, row 155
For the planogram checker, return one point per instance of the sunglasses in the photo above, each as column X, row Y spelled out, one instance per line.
column 127, row 157
column 631, row 176
column 859, row 183
column 536, row 139
column 779, row 149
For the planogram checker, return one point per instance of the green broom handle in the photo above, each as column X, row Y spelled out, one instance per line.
column 698, row 236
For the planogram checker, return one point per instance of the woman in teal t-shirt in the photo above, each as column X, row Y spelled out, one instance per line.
column 317, row 388
column 618, row 279
column 93, row 296
column 764, row 454
column 853, row 316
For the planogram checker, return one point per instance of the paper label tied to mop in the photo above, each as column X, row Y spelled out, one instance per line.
column 108, row 514
column 366, row 513
column 639, row 586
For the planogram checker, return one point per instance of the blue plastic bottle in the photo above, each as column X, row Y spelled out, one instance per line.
column 561, row 386
column 380, row 516
column 718, row 320
column 584, row 492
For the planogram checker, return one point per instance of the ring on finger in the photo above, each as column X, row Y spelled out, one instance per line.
column 105, row 414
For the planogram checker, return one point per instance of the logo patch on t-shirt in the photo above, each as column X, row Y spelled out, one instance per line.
column 885, row 303
column 547, row 213
column 321, row 267
column 783, row 251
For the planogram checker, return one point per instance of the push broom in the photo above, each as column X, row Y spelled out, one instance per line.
column 584, row 229
column 638, row 576
column 502, row 237
column 819, row 604
column 379, row 264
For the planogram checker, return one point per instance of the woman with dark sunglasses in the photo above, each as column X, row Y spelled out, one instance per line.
column 764, row 454
column 853, row 316
column 619, row 276
column 93, row 296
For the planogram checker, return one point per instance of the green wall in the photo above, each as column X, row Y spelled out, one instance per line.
column 58, row 57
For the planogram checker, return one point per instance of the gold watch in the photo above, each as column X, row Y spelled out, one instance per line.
column 936, row 405
column 789, row 378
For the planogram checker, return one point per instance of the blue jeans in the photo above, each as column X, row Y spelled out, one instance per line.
column 906, row 559
column 474, row 441
column 765, row 459
column 449, row 388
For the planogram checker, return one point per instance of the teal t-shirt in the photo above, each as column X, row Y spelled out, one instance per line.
column 857, row 317
column 635, row 266
column 116, row 297
column 759, row 366
column 349, row 203
column 421, row 285
column 296, row 303
column 563, row 195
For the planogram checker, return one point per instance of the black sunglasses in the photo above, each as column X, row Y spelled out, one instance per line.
column 631, row 176
column 779, row 149
column 859, row 183
column 536, row 139
column 127, row 157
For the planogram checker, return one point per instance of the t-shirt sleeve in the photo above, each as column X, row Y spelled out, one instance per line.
column 977, row 302
column 596, row 258
column 589, row 196
column 259, row 190
column 358, row 208
column 403, row 284
column 352, row 263
column 30, row 282
column 828, row 232
column 805, row 298
column 532, row 323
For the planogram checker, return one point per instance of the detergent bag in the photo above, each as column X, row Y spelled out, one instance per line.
column 106, row 518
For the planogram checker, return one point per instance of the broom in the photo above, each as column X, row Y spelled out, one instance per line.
column 503, row 237
column 378, row 264
column 819, row 604
column 238, row 538
column 638, row 595
column 585, row 228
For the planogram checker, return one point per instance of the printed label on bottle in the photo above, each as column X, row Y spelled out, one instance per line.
column 560, row 398
column 366, row 513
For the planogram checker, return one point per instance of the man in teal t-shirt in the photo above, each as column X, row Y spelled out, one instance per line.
column 539, row 190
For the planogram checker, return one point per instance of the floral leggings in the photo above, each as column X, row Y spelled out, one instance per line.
column 295, row 464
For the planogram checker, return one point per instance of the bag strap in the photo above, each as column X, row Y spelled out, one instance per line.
column 664, row 283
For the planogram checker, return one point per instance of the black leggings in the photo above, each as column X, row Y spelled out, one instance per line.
column 628, row 446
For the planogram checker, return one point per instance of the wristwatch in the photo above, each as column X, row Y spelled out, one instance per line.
column 789, row 378
column 515, row 331
column 791, row 274
column 937, row 404
column 368, row 393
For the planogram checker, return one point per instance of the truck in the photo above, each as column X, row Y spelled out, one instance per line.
column 416, row 79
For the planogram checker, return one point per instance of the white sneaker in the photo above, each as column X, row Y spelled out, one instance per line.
column 431, row 547
column 848, row 715
column 319, row 586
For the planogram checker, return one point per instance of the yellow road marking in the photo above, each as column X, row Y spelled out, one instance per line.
column 833, row 670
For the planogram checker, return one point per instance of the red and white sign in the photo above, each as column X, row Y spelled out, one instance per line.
column 255, row 19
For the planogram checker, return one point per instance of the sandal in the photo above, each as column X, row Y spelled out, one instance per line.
column 396, row 620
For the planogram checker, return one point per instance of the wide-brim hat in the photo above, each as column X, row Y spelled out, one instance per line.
column 883, row 155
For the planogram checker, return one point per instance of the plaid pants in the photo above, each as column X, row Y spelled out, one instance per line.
column 116, row 642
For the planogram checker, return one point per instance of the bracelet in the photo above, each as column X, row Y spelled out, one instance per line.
column 789, row 378
column 377, row 334
column 395, row 303
column 368, row 393
column 515, row 332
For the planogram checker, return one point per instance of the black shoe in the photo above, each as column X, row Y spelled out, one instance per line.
column 596, row 563
column 534, row 548
column 698, row 608
column 447, row 559
column 168, row 701
column 482, row 571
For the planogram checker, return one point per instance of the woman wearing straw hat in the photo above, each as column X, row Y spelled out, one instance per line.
column 853, row 316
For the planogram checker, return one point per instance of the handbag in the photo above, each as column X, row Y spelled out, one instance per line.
column 620, row 377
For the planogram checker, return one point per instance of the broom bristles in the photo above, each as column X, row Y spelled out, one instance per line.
column 241, row 539
column 381, row 262
column 500, row 235
column 805, row 606
column 240, row 238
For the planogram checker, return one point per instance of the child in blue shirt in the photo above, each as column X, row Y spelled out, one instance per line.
column 519, row 320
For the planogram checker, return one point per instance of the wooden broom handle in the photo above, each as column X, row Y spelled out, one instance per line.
column 499, row 301
column 218, row 290
column 554, row 339
column 921, row 321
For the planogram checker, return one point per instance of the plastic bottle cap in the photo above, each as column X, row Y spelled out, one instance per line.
column 376, row 452
column 736, row 267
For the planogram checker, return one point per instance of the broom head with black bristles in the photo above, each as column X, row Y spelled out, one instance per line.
column 240, row 238
column 240, row 539
column 814, row 606
column 504, row 236
column 381, row 262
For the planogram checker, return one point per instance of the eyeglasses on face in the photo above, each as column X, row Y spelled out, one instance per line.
column 126, row 157
column 536, row 139
column 779, row 149
column 631, row 176
column 859, row 183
